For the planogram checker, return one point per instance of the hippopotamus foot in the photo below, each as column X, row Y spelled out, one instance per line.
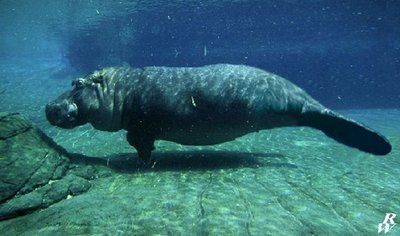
column 144, row 145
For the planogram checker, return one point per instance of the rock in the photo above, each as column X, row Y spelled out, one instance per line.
column 32, row 169
column 86, row 172
column 44, row 196
column 240, row 188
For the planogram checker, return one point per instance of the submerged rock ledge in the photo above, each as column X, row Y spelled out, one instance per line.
column 34, row 170
column 278, row 182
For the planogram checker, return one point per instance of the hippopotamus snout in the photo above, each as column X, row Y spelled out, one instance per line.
column 62, row 114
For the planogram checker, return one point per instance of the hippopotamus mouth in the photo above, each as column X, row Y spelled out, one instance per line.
column 62, row 114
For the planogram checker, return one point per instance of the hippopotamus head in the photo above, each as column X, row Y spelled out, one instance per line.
column 91, row 100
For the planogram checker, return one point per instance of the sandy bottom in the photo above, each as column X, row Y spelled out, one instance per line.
column 279, row 182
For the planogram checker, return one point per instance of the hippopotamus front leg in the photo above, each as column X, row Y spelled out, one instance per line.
column 143, row 143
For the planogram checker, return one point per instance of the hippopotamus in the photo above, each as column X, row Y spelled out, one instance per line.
column 199, row 106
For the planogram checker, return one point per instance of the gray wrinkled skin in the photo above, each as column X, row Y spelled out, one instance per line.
column 198, row 106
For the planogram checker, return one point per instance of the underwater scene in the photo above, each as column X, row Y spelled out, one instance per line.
column 214, row 117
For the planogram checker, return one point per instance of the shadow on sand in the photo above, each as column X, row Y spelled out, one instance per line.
column 186, row 160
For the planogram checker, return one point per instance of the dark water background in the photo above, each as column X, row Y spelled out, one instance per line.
column 344, row 53
column 286, row 181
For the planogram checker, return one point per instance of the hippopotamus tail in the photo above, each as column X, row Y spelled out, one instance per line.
column 347, row 131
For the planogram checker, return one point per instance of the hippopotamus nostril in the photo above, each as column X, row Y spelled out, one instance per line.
column 53, row 113
column 63, row 114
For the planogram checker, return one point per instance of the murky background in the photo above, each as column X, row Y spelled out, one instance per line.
column 282, row 181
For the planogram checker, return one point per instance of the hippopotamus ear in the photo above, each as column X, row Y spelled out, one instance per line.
column 99, row 79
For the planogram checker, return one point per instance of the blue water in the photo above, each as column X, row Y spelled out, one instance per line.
column 285, row 181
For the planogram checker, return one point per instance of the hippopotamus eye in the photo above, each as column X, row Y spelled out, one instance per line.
column 78, row 83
